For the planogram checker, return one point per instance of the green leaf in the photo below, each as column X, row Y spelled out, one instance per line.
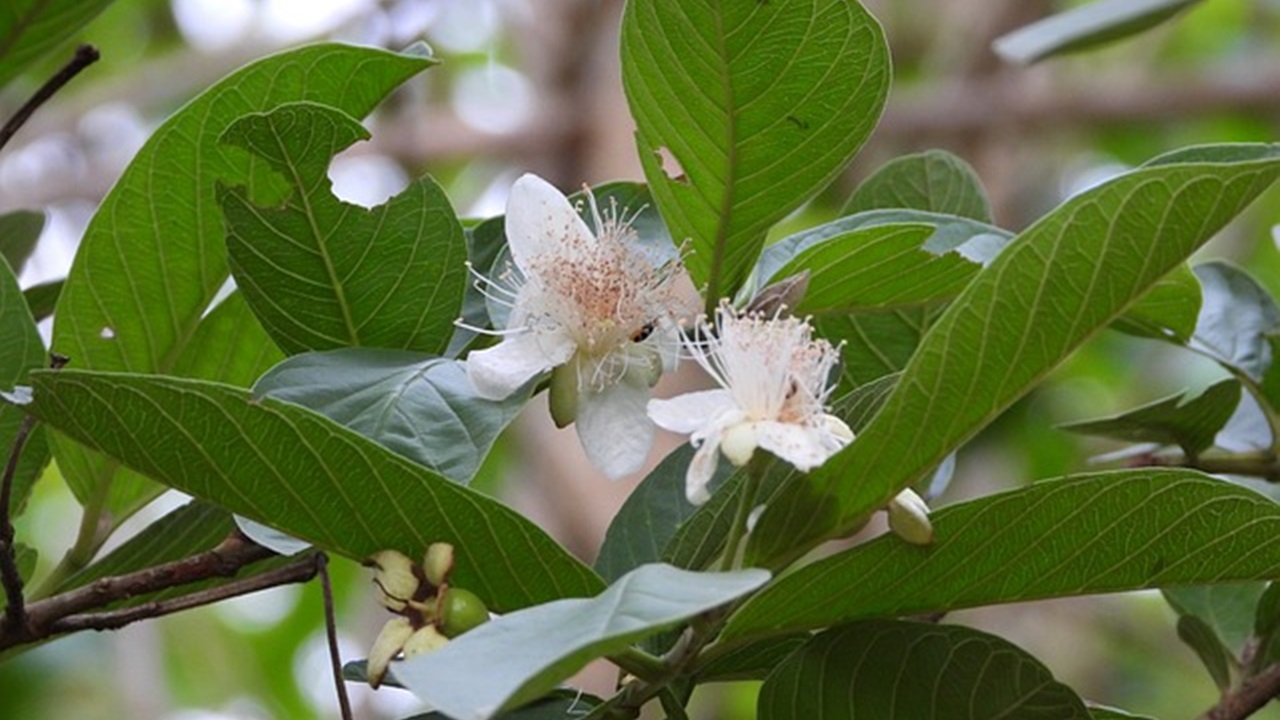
column 229, row 346
column 1236, row 320
column 420, row 406
column 651, row 516
column 752, row 661
column 934, row 180
column 561, row 705
column 518, row 657
column 153, row 258
column 1059, row 282
column 1207, row 646
column 43, row 298
column 1183, row 420
column 1100, row 712
column 323, row 274
column 1090, row 25
column 878, row 268
column 1099, row 533
column 21, row 351
column 876, row 345
column 19, row 231
column 281, row 464
column 760, row 105
column 1228, row 609
column 976, row 241
column 1267, row 625
column 25, row 557
column 1168, row 311
column 883, row 669
column 31, row 28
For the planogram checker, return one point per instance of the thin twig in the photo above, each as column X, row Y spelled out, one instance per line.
column 331, row 631
column 15, row 614
column 296, row 572
column 1252, row 695
column 85, row 56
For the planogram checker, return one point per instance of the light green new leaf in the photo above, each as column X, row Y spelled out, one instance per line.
column 323, row 274
column 760, row 105
column 19, row 231
column 1058, row 283
column 1189, row 422
column 934, row 180
column 31, row 28
column 153, row 256
column 519, row 657
column 1099, row 533
column 21, row 351
column 282, row 464
column 420, row 406
column 1086, row 26
column 893, row 669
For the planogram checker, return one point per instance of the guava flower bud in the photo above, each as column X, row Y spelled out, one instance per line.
column 909, row 518
column 438, row 563
column 396, row 577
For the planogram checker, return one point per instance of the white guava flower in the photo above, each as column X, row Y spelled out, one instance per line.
column 592, row 307
column 774, row 379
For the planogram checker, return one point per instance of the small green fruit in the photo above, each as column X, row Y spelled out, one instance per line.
column 460, row 611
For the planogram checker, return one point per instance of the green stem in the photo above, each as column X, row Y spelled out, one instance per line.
column 88, row 541
column 746, row 501
column 640, row 664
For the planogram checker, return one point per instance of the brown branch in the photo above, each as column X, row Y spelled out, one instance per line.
column 1252, row 695
column 331, row 632
column 15, row 614
column 85, row 56
column 298, row 571
column 225, row 560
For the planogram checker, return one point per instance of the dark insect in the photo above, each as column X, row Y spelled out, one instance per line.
column 643, row 333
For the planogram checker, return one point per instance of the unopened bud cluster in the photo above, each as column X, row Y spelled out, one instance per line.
column 428, row 609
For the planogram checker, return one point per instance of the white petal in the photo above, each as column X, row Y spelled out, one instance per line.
column 701, row 469
column 803, row 447
column 614, row 430
column 498, row 371
column 540, row 220
column 691, row 412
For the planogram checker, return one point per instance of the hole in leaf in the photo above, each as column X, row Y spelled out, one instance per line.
column 107, row 334
column 671, row 166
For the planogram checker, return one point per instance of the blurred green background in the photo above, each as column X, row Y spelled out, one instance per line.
column 532, row 85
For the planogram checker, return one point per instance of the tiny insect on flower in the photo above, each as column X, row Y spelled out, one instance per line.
column 590, row 307
column 774, row 379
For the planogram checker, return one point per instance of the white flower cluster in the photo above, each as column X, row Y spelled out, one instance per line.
column 603, row 319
